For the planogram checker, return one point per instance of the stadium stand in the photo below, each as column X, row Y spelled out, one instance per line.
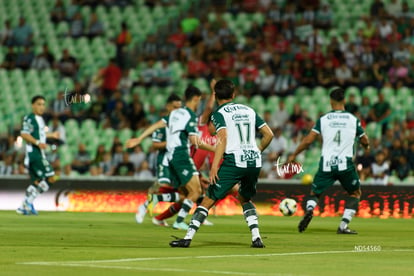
column 157, row 58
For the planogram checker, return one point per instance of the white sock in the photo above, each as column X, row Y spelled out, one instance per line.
column 255, row 234
column 310, row 204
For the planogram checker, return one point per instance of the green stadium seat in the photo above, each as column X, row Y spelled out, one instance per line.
column 272, row 103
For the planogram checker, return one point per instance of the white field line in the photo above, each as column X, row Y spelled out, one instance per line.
column 208, row 257
column 158, row 269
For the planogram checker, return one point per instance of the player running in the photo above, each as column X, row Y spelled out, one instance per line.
column 338, row 129
column 41, row 173
column 236, row 126
column 181, row 132
column 163, row 182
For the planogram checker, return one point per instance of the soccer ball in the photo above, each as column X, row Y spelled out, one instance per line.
column 287, row 206
column 307, row 179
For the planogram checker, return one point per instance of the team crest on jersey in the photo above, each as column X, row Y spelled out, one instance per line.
column 185, row 172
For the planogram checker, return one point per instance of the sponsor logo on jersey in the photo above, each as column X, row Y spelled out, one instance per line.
column 337, row 125
column 249, row 155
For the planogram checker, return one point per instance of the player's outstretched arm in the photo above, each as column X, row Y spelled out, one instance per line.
column 218, row 155
column 147, row 132
column 196, row 141
column 30, row 139
column 210, row 104
column 267, row 137
column 159, row 145
column 306, row 142
column 54, row 135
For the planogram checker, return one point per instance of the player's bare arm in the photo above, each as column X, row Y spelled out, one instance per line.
column 210, row 104
column 54, row 135
column 196, row 141
column 218, row 155
column 147, row 132
column 267, row 137
column 30, row 139
column 304, row 144
column 159, row 145
column 364, row 141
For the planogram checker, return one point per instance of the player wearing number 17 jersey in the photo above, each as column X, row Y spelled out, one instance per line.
column 236, row 126
column 338, row 129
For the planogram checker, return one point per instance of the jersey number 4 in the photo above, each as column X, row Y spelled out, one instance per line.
column 337, row 137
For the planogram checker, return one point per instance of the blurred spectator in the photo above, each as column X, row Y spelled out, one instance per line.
column 377, row 8
column 266, row 82
column 137, row 157
column 280, row 115
column 68, row 65
column 117, row 151
column 76, row 26
column 343, row 75
column 96, row 109
column 59, row 107
column 164, row 74
column 95, row 27
column 106, row 164
column 58, row 12
column 7, row 166
column 122, row 41
column 364, row 163
column 309, row 75
column 380, row 112
column 56, row 126
column 189, row 23
column 10, row 58
column 324, row 17
column 149, row 48
column 394, row 8
column 6, row 34
column 137, row 116
column 25, row 58
column 82, row 160
column 100, row 153
column 249, row 76
column 285, row 83
column 403, row 170
column 380, row 170
column 350, row 104
column 144, row 172
column 44, row 60
column 274, row 151
column 124, row 168
column 410, row 155
column 148, row 74
column 326, row 76
column 196, row 67
column 22, row 34
column 398, row 73
column 72, row 9
column 125, row 83
column 111, row 77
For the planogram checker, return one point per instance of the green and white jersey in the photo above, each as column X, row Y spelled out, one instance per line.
column 35, row 126
column 181, row 123
column 241, row 123
column 160, row 135
column 338, row 130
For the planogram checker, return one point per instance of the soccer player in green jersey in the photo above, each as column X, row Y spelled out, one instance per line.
column 236, row 126
column 41, row 173
column 181, row 132
column 338, row 129
column 159, row 142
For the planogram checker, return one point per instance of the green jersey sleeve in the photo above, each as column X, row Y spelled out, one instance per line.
column 359, row 131
column 159, row 135
column 218, row 121
column 259, row 122
column 30, row 126
column 317, row 126
column 191, row 127
column 165, row 119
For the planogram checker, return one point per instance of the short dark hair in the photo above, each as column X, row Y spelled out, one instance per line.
column 173, row 98
column 224, row 89
column 337, row 94
column 191, row 92
column 37, row 97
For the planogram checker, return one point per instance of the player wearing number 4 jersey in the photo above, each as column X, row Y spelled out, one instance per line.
column 338, row 129
column 236, row 126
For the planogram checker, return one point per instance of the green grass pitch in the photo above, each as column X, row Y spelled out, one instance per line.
column 64, row 243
